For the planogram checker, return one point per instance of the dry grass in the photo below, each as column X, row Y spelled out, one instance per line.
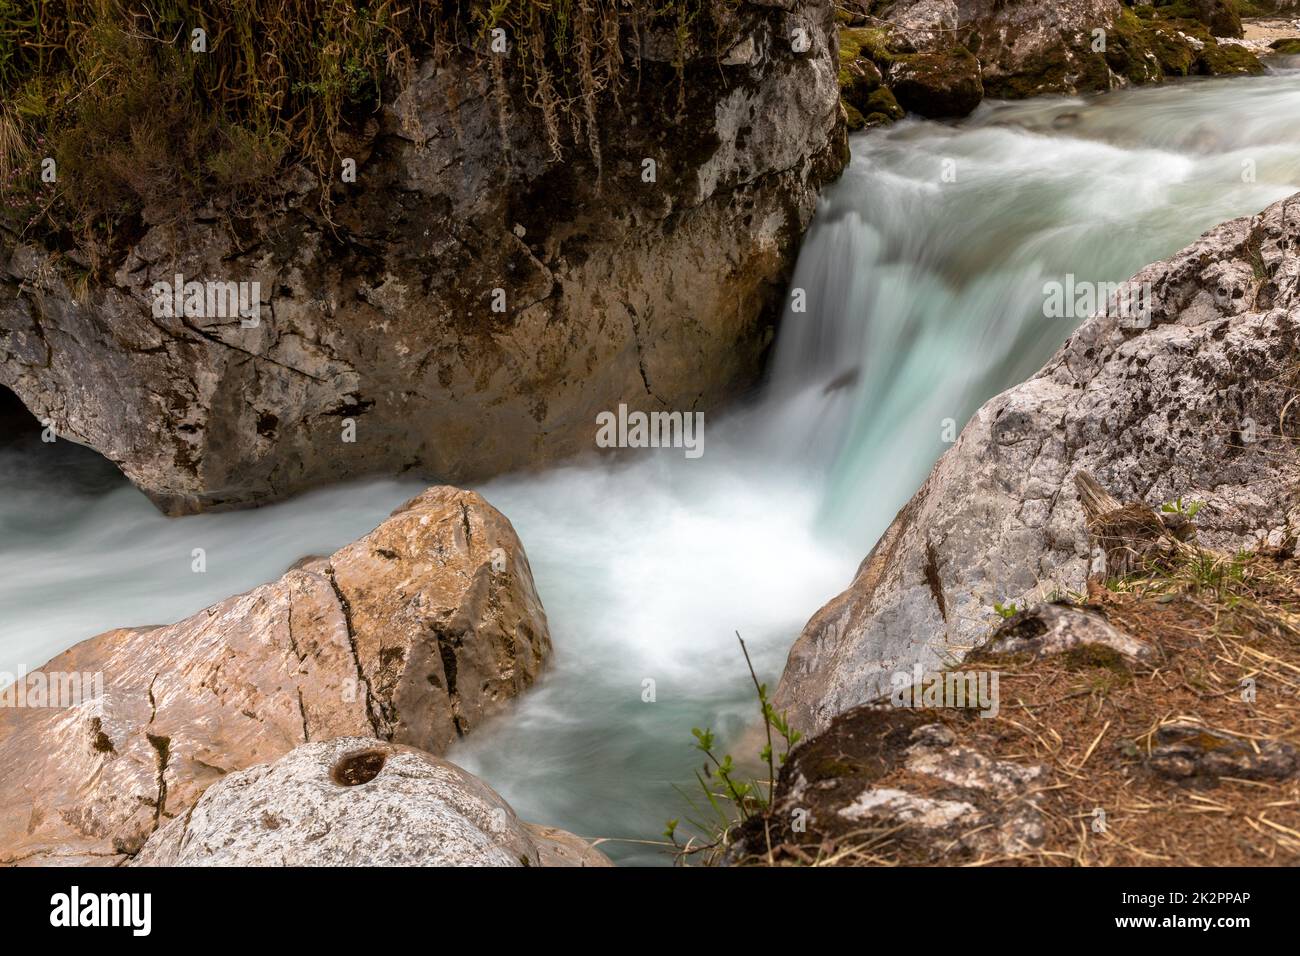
column 112, row 89
column 1089, row 718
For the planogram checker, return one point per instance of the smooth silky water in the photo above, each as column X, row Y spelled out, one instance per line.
column 925, row 297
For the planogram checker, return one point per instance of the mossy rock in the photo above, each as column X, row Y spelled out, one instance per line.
column 1288, row 47
column 1228, row 59
column 937, row 84
column 1070, row 65
column 1177, row 57
column 867, row 101
column 858, row 79
column 1183, row 46
column 1092, row 72
column 871, row 43
column 883, row 103
column 1221, row 59
column 1129, row 50
column 853, row 118
column 1220, row 17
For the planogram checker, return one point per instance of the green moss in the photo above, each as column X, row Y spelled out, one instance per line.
column 1175, row 55
column 1226, row 59
column 854, row 119
column 1179, row 37
column 1128, row 49
column 882, row 103
column 1289, row 47
column 860, row 79
column 1221, row 17
column 869, row 42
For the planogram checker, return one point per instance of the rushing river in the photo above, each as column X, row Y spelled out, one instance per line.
column 924, row 275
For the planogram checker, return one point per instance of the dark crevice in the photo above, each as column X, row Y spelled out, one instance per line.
column 99, row 740
column 163, row 747
column 447, row 651
column 932, row 579
column 346, row 608
column 153, row 704
column 16, row 422
column 293, row 642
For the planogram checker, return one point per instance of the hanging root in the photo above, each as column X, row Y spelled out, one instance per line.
column 502, row 93
column 545, row 98
column 583, row 37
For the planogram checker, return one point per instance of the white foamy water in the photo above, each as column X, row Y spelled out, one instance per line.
column 924, row 299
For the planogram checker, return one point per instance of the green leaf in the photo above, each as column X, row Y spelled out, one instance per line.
column 703, row 738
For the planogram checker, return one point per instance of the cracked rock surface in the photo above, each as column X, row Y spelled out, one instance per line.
column 661, row 294
column 881, row 777
column 358, row 801
column 1197, row 405
column 414, row 634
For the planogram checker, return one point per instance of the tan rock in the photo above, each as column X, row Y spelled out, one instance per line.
column 416, row 633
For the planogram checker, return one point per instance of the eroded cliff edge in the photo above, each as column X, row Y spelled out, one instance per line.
column 378, row 312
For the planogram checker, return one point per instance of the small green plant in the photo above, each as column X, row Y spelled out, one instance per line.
column 1178, row 507
column 1006, row 610
column 730, row 800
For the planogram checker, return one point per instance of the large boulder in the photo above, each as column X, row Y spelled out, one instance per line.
column 416, row 634
column 650, row 270
column 1198, row 405
column 937, row 84
column 358, row 801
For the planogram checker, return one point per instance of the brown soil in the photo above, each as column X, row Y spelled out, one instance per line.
column 1091, row 720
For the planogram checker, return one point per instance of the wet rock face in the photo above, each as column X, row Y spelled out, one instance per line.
column 1196, row 405
column 357, row 801
column 415, row 634
column 467, row 307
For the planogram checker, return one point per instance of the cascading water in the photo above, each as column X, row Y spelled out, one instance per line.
column 923, row 275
